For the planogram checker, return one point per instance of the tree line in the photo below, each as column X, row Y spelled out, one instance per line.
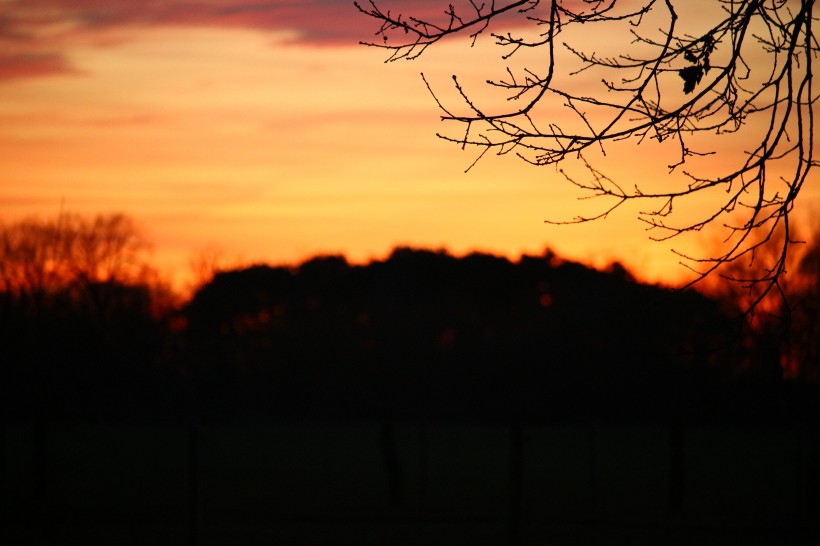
column 90, row 333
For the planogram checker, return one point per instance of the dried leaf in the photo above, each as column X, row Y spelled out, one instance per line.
column 691, row 76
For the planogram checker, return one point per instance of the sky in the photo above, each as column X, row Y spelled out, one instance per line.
column 264, row 130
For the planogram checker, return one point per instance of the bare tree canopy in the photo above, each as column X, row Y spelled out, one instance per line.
column 703, row 77
column 43, row 255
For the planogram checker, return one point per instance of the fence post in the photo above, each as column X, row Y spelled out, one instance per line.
column 677, row 469
column 516, row 476
column 392, row 465
column 193, row 485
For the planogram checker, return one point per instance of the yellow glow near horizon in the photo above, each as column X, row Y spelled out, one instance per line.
column 275, row 152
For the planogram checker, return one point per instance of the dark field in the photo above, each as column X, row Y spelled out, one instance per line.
column 422, row 400
column 409, row 483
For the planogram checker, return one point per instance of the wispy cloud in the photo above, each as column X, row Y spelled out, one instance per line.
column 33, row 64
column 36, row 34
column 32, row 19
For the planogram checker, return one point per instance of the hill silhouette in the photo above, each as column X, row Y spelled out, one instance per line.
column 419, row 335
column 423, row 334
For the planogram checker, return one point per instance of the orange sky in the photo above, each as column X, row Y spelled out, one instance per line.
column 263, row 129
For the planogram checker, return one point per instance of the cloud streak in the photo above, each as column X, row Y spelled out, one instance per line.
column 36, row 34
column 33, row 64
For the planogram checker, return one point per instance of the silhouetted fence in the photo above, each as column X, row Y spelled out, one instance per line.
column 406, row 483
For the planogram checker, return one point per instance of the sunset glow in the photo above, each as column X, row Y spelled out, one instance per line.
column 265, row 130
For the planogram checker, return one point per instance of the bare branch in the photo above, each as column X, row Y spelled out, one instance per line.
column 749, row 66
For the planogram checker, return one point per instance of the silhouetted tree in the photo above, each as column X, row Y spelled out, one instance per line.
column 669, row 71
column 39, row 258
column 424, row 334
column 802, row 357
column 82, row 315
column 779, row 339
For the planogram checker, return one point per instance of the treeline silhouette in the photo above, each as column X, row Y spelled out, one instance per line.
column 419, row 335
column 426, row 335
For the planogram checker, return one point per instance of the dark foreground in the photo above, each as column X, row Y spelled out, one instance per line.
column 417, row 483
column 419, row 400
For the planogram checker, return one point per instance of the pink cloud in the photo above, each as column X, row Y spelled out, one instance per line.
column 335, row 21
column 36, row 34
column 41, row 30
column 32, row 65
